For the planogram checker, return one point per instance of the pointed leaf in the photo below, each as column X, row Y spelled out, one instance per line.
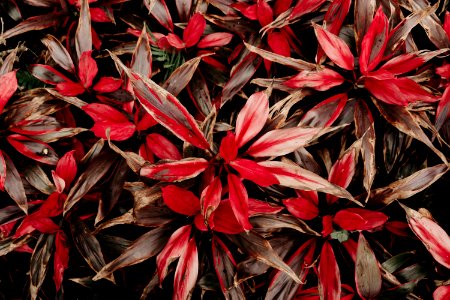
column 367, row 273
column 364, row 12
column 61, row 259
column 175, row 171
column 194, row 30
column 442, row 292
column 279, row 221
column 87, row 69
column 180, row 78
column 443, row 109
column 216, row 39
column 248, row 169
column 239, row 201
column 141, row 61
column 359, row 219
column 13, row 184
column 279, row 43
column 33, row 149
column 107, row 85
column 264, row 12
column 2, row 171
column 321, row 80
column 160, row 12
column 186, row 272
column 47, row 74
column 59, row 53
column 324, row 113
column 228, row 149
column 302, row 208
column 8, row 86
column 335, row 48
column 329, row 275
column 184, row 9
column 83, row 35
column 39, row 263
column 33, row 23
column 210, row 200
column 162, row 147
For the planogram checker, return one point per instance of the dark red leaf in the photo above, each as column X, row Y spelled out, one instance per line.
column 264, row 12
column 304, row 7
column 162, row 147
column 87, row 69
column 335, row 48
column 367, row 273
column 186, row 272
column 8, row 86
column 329, row 275
column 108, row 85
column 279, row 43
column 359, row 219
column 216, row 39
column 210, row 200
column 224, row 219
column 248, row 169
column 99, row 15
column 239, row 201
column 302, row 207
column 321, row 80
column 228, row 149
column 175, row 171
column 194, row 30
column 67, row 167
column 174, row 248
column 70, row 89
column 61, row 258
column 33, row 23
column 33, row 149
column 447, row 23
column 36, row 222
column 180, row 200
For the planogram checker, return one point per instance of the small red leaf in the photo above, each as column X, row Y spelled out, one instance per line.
column 228, row 149
column 186, row 272
column 329, row 275
column 367, row 273
column 447, row 23
column 194, row 30
column 87, row 69
column 67, row 167
column 251, row 118
column 99, row 15
column 70, row 89
column 239, row 201
column 216, row 39
column 248, row 169
column 8, row 86
column 359, row 219
column 61, row 258
column 335, row 48
column 33, row 149
column 162, row 147
column 175, row 171
column 264, row 11
column 174, row 248
column 302, row 208
column 256, row 207
column 210, row 200
column 108, row 85
column 321, row 80
column 180, row 200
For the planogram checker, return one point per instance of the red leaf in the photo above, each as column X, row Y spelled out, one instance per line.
column 228, row 149
column 442, row 292
column 321, row 80
column 67, row 167
column 302, row 208
column 36, row 222
column 304, row 7
column 335, row 48
column 248, row 169
column 435, row 239
column 279, row 43
column 359, row 219
column 281, row 6
column 239, row 201
column 225, row 219
column 398, row 228
column 87, row 69
column 194, row 30
column 180, row 200
column 324, row 113
column 33, row 149
column 53, row 206
column 2, row 171
column 329, row 275
column 443, row 109
column 118, row 132
column 367, row 273
column 175, row 171
column 282, row 141
column 172, row 40
column 374, row 42
column 256, row 207
column 70, row 89
column 162, row 147
column 61, row 258
column 327, row 225
column 174, row 248
column 216, row 39
column 108, row 85
column 99, row 15
column 210, row 200
column 251, row 118
column 8, row 86
column 264, row 11
column 447, row 23
column 186, row 272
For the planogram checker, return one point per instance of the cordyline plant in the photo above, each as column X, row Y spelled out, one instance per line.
column 224, row 149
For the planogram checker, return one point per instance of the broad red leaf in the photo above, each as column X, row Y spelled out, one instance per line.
column 2, row 171
column 165, row 108
column 433, row 236
column 257, row 207
column 180, row 200
column 8, row 86
column 279, row 43
column 83, row 35
column 374, row 42
column 100, row 15
column 324, row 113
column 67, row 167
column 70, row 89
column 174, row 248
column 87, row 69
column 335, row 48
column 141, row 61
column 53, row 206
column 447, row 23
column 194, row 30
column 107, row 85
column 61, row 259
column 278, row 142
column 33, row 149
column 248, row 169
column 210, row 200
column 251, row 118
column 329, row 275
column 302, row 208
column 186, row 272
column 225, row 220
column 264, row 11
column 367, row 273
column 359, row 219
column 228, row 149
column 36, row 222
column 216, row 39
column 321, row 80
column 442, row 292
column 239, row 201
column 175, row 171
column 162, row 147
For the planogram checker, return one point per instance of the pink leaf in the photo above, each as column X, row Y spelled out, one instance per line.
column 174, row 248
column 321, row 80
column 248, row 169
column 180, row 200
column 61, row 258
column 8, row 86
column 335, row 48
column 175, row 171
column 194, row 30
column 87, row 69
column 216, row 39
column 329, row 275
column 186, row 272
column 239, row 201
column 162, row 147
column 228, row 149
column 251, row 118
column 359, row 219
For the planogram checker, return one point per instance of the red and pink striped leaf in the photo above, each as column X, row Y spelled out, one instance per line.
column 174, row 248
column 165, row 108
column 216, row 39
column 186, row 272
column 162, row 147
column 180, row 200
column 2, row 171
column 324, row 113
column 433, row 236
column 329, row 275
column 359, row 219
column 374, row 42
column 228, row 149
column 251, row 118
column 83, row 35
column 61, row 259
column 194, row 30
column 107, row 85
column 67, row 167
column 87, row 69
column 302, row 208
column 321, row 80
column 239, row 201
column 367, row 272
column 175, row 171
column 442, row 292
column 210, row 200
column 251, row 170
column 335, row 48
column 279, row 142
column 33, row 149
column 8, row 86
